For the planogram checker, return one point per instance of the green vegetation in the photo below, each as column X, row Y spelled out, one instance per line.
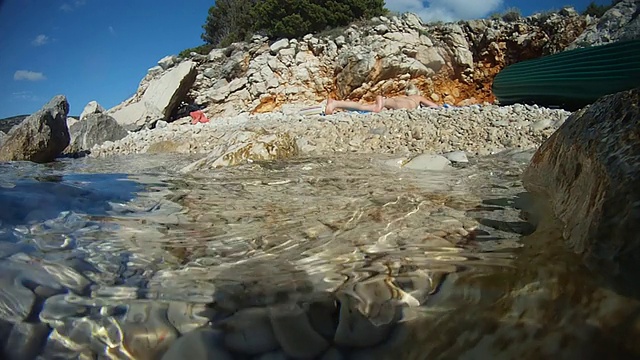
column 203, row 49
column 511, row 14
column 598, row 10
column 230, row 21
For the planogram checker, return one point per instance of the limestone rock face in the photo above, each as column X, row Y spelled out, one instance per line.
column 452, row 63
column 92, row 108
column 41, row 137
column 160, row 98
column 95, row 129
column 619, row 23
column 589, row 171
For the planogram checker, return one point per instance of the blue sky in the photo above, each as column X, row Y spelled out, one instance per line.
column 100, row 50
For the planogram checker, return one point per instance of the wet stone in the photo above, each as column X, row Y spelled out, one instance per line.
column 276, row 355
column 146, row 330
column 259, row 283
column 294, row 332
column 59, row 348
column 16, row 300
column 395, row 340
column 457, row 157
column 44, row 291
column 186, row 317
column 68, row 277
column 249, row 332
column 323, row 317
column 57, row 309
column 7, row 248
column 78, row 335
column 332, row 354
column 26, row 341
column 201, row 344
column 5, row 330
column 355, row 329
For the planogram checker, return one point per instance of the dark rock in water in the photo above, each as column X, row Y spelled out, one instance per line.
column 196, row 345
column 95, row 129
column 41, row 137
column 9, row 123
column 16, row 300
column 26, row 340
column 589, row 171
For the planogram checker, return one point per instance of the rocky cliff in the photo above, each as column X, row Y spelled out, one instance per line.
column 452, row 63
column 620, row 23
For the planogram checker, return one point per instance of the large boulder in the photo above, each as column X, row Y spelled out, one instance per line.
column 95, row 129
column 159, row 100
column 92, row 108
column 619, row 23
column 41, row 137
column 589, row 171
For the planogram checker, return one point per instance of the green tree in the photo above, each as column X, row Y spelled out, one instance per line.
column 228, row 21
column 236, row 20
column 287, row 18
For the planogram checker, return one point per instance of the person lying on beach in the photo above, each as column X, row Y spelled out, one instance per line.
column 394, row 103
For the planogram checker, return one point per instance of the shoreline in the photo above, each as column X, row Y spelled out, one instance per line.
column 477, row 130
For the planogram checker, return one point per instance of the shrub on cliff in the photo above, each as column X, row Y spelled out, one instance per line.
column 202, row 50
column 596, row 10
column 236, row 20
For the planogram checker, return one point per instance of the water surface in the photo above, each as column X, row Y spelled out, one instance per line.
column 341, row 257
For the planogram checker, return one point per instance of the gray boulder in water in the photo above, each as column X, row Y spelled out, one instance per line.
column 41, row 137
column 95, row 129
column 589, row 171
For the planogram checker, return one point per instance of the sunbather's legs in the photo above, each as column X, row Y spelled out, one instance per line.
column 333, row 105
column 400, row 103
column 423, row 100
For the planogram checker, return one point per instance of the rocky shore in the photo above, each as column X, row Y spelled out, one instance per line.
column 336, row 252
column 475, row 130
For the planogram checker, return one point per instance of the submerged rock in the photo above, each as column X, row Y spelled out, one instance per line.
column 589, row 171
column 249, row 146
column 41, row 137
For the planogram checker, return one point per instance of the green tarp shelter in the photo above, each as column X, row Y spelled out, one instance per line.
column 571, row 79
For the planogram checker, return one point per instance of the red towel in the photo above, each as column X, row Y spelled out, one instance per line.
column 198, row 117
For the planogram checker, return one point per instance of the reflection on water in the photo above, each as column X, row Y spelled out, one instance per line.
column 341, row 257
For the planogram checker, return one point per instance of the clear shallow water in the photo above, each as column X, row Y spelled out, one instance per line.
column 342, row 257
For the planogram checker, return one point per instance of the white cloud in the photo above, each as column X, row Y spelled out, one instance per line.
column 28, row 75
column 446, row 10
column 112, row 30
column 25, row 95
column 40, row 40
column 72, row 5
